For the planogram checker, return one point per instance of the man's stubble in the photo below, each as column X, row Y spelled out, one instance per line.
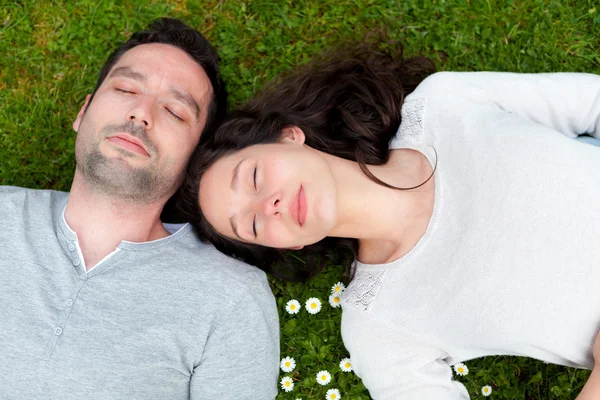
column 114, row 177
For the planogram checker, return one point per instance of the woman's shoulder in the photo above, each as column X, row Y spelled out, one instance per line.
column 363, row 289
column 459, row 85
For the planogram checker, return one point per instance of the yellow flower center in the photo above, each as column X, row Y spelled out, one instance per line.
column 323, row 377
column 486, row 390
column 287, row 383
column 313, row 305
column 337, row 288
column 293, row 306
column 333, row 396
column 347, row 365
column 287, row 364
column 461, row 370
column 336, row 299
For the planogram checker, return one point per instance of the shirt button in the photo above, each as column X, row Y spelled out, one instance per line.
column 83, row 277
column 71, row 246
column 69, row 303
column 76, row 262
column 58, row 331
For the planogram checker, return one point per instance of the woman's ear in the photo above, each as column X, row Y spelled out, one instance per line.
column 292, row 134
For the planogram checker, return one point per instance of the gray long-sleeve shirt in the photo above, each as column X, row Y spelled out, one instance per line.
column 167, row 319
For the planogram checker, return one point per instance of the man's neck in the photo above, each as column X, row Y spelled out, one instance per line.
column 103, row 222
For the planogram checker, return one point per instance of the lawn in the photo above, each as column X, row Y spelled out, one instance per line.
column 52, row 51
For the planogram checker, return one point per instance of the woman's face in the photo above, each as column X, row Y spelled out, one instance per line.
column 277, row 195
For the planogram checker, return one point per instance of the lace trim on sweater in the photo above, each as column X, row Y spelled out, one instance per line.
column 412, row 125
column 362, row 290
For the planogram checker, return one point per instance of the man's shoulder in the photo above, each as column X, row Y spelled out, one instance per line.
column 16, row 191
column 13, row 198
column 209, row 264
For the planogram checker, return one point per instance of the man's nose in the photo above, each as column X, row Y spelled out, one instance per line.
column 141, row 114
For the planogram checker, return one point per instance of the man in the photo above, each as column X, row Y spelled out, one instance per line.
column 99, row 299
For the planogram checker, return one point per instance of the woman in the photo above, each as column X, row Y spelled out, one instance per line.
column 470, row 210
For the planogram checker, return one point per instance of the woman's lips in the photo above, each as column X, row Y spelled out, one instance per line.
column 301, row 206
column 298, row 207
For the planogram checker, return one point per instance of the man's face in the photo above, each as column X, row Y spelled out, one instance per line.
column 137, row 134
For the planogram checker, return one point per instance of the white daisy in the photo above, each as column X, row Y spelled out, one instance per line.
column 323, row 378
column 334, row 300
column 486, row 390
column 292, row 307
column 461, row 369
column 338, row 288
column 313, row 305
column 288, row 364
column 287, row 384
column 333, row 394
column 346, row 365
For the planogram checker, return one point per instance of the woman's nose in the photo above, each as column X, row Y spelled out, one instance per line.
column 271, row 206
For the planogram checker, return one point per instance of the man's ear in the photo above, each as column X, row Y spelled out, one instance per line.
column 77, row 121
column 296, row 248
column 292, row 134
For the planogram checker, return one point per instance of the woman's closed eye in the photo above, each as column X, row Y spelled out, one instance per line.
column 254, row 218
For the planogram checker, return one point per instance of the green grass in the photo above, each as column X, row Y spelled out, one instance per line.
column 52, row 50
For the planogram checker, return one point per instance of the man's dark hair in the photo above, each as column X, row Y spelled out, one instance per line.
column 175, row 33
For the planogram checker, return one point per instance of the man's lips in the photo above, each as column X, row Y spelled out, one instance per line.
column 298, row 207
column 130, row 143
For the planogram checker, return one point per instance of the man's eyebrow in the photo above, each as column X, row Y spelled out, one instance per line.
column 127, row 72
column 188, row 100
column 234, row 227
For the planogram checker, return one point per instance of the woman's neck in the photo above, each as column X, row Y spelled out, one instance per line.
column 387, row 222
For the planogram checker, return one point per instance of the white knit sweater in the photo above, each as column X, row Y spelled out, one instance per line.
column 510, row 261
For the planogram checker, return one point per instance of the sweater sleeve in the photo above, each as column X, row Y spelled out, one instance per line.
column 392, row 365
column 241, row 356
column 566, row 102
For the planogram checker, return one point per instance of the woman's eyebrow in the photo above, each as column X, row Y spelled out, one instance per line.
column 235, row 178
column 234, row 185
column 233, row 224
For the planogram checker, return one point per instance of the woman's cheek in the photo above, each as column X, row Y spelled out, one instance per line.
column 276, row 237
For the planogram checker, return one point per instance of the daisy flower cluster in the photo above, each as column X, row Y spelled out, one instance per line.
column 462, row 370
column 287, row 365
column 313, row 305
column 323, row 378
column 336, row 293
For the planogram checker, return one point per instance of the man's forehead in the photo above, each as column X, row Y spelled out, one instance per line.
column 163, row 57
column 184, row 74
column 156, row 49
